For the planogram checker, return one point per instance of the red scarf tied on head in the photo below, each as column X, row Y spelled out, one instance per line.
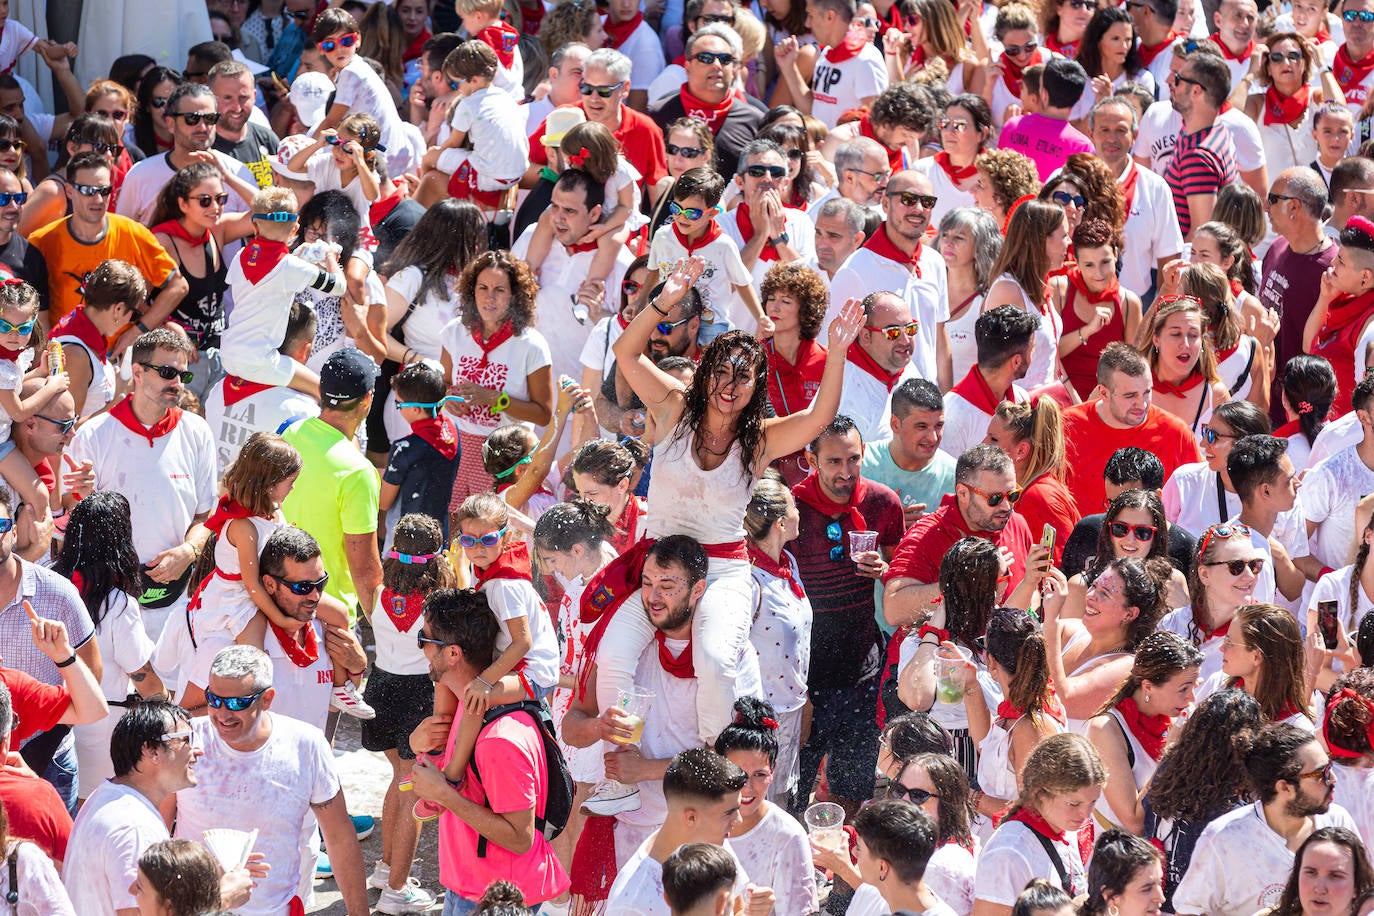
column 713, row 114
column 778, row 569
column 78, row 324
column 809, row 492
column 1335, row 749
column 1286, row 109
column 1150, row 731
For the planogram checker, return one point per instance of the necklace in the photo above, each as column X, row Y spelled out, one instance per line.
column 1315, row 248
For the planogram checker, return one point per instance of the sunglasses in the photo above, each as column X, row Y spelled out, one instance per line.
column 1082, row 4
column 666, row 327
column 1029, row 47
column 1180, row 78
column 93, row 190
column 911, row 199
column 728, row 19
column 1222, row 531
column 159, row 101
column 1236, row 567
column 833, row 532
column 1278, row 57
column 63, row 426
column 233, row 704
column 421, row 640
column 894, row 331
column 759, row 171
column 602, row 92
column 346, row 41
column 306, row 587
column 192, row 118
column 454, row 84
column 490, row 539
column 1275, row 198
column 795, row 154
column 686, row 152
column 954, row 125
column 9, row 327
column 167, row 373
column 915, row 796
column 630, row 288
column 13, row 197
column 1064, row 198
column 723, row 58
column 869, row 22
column 9, row 146
column 1358, row 16
column 1327, row 774
column 880, row 177
column 1012, row 496
column 693, row 213
column 205, row 200
column 185, row 735
column 1210, row 435
column 1141, row 532
column 104, row 148
column 300, row 15
column 5, row 525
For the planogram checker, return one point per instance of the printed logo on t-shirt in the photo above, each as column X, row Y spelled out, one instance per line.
column 823, row 82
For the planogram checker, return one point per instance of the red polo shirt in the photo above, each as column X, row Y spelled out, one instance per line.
column 39, row 706
column 640, row 140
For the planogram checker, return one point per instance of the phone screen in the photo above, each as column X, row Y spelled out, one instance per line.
column 1326, row 622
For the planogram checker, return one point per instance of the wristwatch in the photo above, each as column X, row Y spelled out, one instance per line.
column 779, row 239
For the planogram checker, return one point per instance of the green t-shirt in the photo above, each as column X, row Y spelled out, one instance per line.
column 336, row 494
column 928, row 485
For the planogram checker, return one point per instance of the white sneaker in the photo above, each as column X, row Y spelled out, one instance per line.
column 412, row 898
column 380, row 877
column 611, row 798
column 346, row 700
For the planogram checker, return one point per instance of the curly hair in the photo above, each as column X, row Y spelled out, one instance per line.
column 569, row 21
column 733, row 353
column 1349, row 716
column 1096, row 233
column 804, row 285
column 416, row 534
column 179, row 188
column 1104, row 198
column 1202, row 774
column 1010, row 174
column 523, row 288
column 1149, row 501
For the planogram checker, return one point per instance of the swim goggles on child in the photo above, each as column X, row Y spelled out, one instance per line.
column 432, row 405
column 411, row 559
column 490, row 539
column 25, row 328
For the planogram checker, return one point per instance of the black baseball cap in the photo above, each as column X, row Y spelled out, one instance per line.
column 347, row 375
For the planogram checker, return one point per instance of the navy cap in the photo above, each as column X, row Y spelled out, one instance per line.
column 346, row 375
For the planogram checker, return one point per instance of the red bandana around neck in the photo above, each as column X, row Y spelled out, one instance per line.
column 503, row 334
column 809, row 492
column 778, row 569
column 1148, row 730
column 1350, row 73
column 713, row 114
column 403, row 610
column 502, row 39
column 417, row 47
column 302, row 656
column 177, row 230
column 860, row 358
column 226, row 511
column 627, row 528
column 1033, row 819
column 617, row 33
column 79, row 325
column 124, row 413
column 1128, row 186
column 680, row 667
column 1181, row 389
column 854, row 42
column 1067, row 49
column 956, row 173
column 512, row 563
column 1011, row 72
column 1207, row 634
column 1285, row 109
column 236, row 389
column 975, row 389
column 1237, row 288
column 896, row 158
column 1148, row 53
column 1052, row 707
column 1110, row 294
column 11, row 355
column 881, row 244
column 710, row 235
column 745, row 224
column 439, row 432
column 382, row 207
column 260, row 256
column 1243, row 55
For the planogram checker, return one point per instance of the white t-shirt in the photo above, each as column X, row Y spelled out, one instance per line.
column 1160, row 127
column 1240, row 865
column 1289, row 530
column 266, row 411
column 112, row 829
column 257, row 324
column 966, row 423
column 645, row 51
column 507, row 368
column 322, row 170
column 12, row 379
column 926, row 295
column 1355, row 793
column 948, row 195
column 596, row 352
column 638, row 887
column 510, row 598
column 360, row 88
column 781, row 636
column 1014, row 856
column 1151, row 229
column 1328, row 496
column 777, row 854
column 423, row 328
column 866, row 401
column 950, row 873
column 837, row 85
column 330, row 333
column 396, row 650
column 724, row 271
column 495, row 123
column 1336, row 435
column 1335, row 586
column 293, row 770
column 801, row 236
column 1190, row 498
column 302, row 693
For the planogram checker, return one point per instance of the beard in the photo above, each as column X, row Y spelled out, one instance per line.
column 676, row 618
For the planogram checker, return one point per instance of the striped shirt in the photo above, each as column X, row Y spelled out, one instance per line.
column 1203, row 162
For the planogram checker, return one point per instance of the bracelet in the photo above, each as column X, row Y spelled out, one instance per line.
column 68, row 663
column 357, row 673
column 478, row 679
column 501, row 403
column 976, row 799
column 928, row 630
column 141, row 326
column 930, row 642
column 405, row 358
column 653, row 304
column 1081, row 341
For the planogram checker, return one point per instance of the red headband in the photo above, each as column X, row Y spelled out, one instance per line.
column 1335, row 749
column 1362, row 225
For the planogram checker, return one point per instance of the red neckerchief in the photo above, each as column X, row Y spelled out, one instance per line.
column 1345, row 317
column 680, row 667
column 11, row 355
column 860, row 358
column 1335, row 749
column 1237, row 288
column 260, row 256
column 1067, row 49
column 236, row 389
column 1323, row 35
column 809, row 492
column 745, row 224
column 1227, row 53
column 896, row 158
column 1291, row 428
column 503, row 334
column 605, row 593
column 1051, row 706
column 382, row 208
column 1032, row 819
column 627, row 529
column 1210, row 634
column 893, row 18
column 502, row 39
column 1148, row 53
column 1223, row 355
column 1128, row 185
column 790, row 379
column 956, row 174
column 581, row 247
column 1011, row 72
column 226, row 511
column 1181, row 389
column 511, row 563
column 403, row 610
column 975, row 389
column 710, row 235
column 713, row 115
column 439, row 432
column 177, row 230
column 531, row 17
column 882, row 245
column 417, row 47
column 1285, row 109
column 1110, row 294
column 848, row 49
column 78, row 324
column 617, row 33
column 302, row 656
column 778, row 569
column 162, row 144
column 1148, row 730
column 124, row 413
column 1350, row 73
column 1288, row 709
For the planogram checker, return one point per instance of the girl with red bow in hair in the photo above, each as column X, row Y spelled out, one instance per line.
column 229, row 604
column 1348, row 730
column 1336, row 328
column 1284, row 110
column 1131, row 730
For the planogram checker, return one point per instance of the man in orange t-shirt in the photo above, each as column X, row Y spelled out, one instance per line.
column 76, row 245
column 1094, row 430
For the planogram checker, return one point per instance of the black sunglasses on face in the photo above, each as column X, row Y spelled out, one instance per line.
column 1278, row 57
column 709, row 19
column 93, row 190
column 104, row 148
column 193, row 118
column 167, row 373
column 686, row 152
column 911, row 199
column 301, row 589
column 602, row 92
column 9, row 146
column 759, row 171
column 724, row 58
column 915, row 796
column 205, row 200
column 1236, row 567
column 159, row 102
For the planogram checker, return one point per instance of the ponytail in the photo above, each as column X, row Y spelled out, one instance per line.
column 1030, row 683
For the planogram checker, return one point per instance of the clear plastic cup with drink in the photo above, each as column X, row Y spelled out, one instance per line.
column 861, row 542
column 949, row 678
column 825, row 824
column 634, row 702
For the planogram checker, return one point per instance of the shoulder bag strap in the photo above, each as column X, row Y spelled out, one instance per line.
column 12, row 895
column 1055, row 860
column 1222, row 515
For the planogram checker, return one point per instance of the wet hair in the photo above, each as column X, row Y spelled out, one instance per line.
column 702, row 180
column 1060, row 764
column 1002, row 333
column 142, row 726
column 735, row 353
column 1272, row 631
column 1202, row 773
column 184, row 874
column 1145, row 588
column 1040, row 896
column 838, row 428
column 915, row 733
column 955, row 812
column 1146, row 500
column 1160, row 657
column 695, row 872
column 1134, row 464
column 1016, row 642
column 1118, row 857
column 339, row 219
column 576, row 521
column 501, row 898
column 417, row 534
column 898, row 832
column 753, row 728
column 1363, row 878
column 916, row 394
column 968, row 580
column 681, row 550
column 524, row 289
column 420, row 382
column 99, row 545
column 702, row 775
column 608, row 463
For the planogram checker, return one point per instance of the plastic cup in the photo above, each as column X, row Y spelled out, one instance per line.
column 634, row 702
column 949, row 685
column 825, row 825
column 862, row 542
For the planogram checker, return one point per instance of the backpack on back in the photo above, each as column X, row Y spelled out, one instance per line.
column 559, row 783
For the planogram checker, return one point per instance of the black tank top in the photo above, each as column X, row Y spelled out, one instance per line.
column 201, row 312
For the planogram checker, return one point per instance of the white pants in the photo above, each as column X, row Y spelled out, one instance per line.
column 451, row 160
column 720, row 630
column 257, row 362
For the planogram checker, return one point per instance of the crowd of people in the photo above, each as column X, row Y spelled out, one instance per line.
column 841, row 456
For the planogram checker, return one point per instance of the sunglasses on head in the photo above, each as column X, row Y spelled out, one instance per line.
column 1230, row 529
column 1012, row 496
column 911, row 199
column 63, row 426
column 1210, row 435
column 233, row 704
column 305, row 587
column 454, row 84
column 9, row 146
column 1358, row 16
column 759, row 171
column 346, row 41
column 206, row 200
column 915, row 796
column 1141, row 532
column 1029, row 47
column 192, row 118
column 602, row 92
column 93, row 190
column 693, row 213
column 894, row 331
column 167, row 373
column 666, row 327
column 724, row 58
column 686, row 152
column 490, row 539
column 1236, row 567
column 13, row 197
column 1064, row 198
column 7, row 327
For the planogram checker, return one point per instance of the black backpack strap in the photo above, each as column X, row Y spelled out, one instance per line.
column 1057, row 862
column 537, row 713
column 1245, row 373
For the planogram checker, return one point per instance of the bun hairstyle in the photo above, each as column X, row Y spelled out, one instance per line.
column 578, row 521
column 754, row 728
column 1309, row 384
